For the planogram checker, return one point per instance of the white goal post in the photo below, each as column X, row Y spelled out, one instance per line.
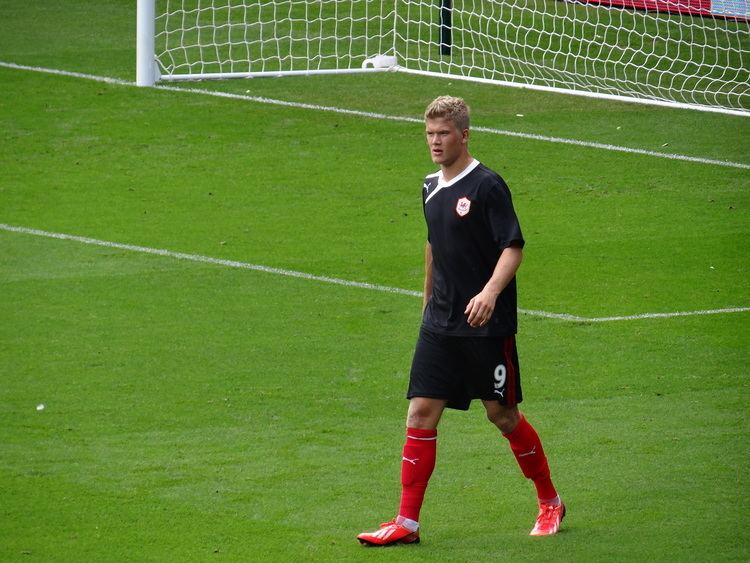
column 686, row 53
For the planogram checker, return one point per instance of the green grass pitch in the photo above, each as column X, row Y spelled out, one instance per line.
column 198, row 412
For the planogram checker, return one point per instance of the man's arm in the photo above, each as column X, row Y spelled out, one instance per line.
column 427, row 275
column 480, row 308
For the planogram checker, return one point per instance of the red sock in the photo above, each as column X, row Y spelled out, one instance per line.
column 417, row 464
column 527, row 447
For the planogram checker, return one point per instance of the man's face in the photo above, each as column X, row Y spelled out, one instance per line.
column 446, row 142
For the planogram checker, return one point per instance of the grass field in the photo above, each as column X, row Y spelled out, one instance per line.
column 196, row 411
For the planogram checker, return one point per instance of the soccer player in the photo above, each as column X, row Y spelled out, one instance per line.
column 466, row 348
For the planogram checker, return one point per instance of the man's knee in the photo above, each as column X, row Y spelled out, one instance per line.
column 505, row 418
column 424, row 412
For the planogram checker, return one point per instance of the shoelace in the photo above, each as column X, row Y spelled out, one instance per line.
column 548, row 513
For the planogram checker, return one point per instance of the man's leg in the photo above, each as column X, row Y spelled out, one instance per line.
column 420, row 450
column 527, row 448
column 417, row 464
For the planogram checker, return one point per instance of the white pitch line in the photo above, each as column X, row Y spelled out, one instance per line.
column 382, row 116
column 206, row 260
column 338, row 281
column 576, row 318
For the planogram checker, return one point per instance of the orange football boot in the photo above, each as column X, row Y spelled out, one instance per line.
column 548, row 520
column 390, row 533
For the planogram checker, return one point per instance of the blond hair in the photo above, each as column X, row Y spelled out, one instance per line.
column 451, row 108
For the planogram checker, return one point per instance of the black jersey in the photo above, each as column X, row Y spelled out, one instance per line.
column 470, row 221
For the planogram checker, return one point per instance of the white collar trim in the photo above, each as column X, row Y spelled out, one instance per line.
column 443, row 184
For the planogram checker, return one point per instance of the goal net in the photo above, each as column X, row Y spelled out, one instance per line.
column 694, row 52
column 196, row 39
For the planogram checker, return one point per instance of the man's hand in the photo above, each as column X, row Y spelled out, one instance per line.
column 480, row 308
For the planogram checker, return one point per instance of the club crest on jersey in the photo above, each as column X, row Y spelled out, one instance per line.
column 463, row 206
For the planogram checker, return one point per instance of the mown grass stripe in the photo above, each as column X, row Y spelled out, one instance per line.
column 382, row 116
column 338, row 281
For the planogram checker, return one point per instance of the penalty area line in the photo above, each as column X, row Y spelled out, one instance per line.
column 385, row 117
column 338, row 281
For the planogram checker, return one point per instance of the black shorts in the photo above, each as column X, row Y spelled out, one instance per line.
column 459, row 369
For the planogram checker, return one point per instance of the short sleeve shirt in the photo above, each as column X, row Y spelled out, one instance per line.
column 470, row 221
